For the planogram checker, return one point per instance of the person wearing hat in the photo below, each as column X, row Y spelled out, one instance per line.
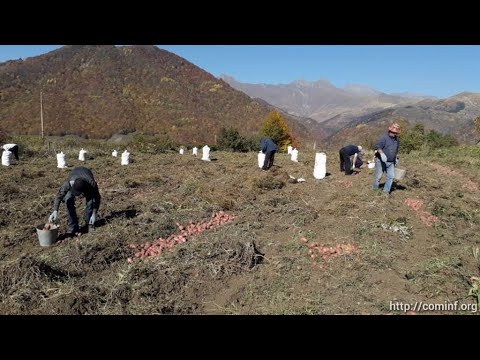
column 79, row 182
column 386, row 151
column 345, row 157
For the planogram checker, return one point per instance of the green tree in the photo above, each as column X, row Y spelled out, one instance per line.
column 416, row 138
column 413, row 139
column 230, row 139
column 436, row 140
column 276, row 128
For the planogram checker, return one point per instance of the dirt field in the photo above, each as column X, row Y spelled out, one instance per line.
column 364, row 251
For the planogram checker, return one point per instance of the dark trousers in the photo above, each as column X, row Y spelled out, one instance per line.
column 345, row 163
column 14, row 150
column 73, row 226
column 269, row 157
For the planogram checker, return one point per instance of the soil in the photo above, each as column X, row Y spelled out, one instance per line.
column 414, row 245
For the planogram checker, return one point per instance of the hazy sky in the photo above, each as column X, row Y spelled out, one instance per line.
column 429, row 70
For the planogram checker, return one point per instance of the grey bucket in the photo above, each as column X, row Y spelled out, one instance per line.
column 47, row 237
column 399, row 174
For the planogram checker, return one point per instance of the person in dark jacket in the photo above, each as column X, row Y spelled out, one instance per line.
column 79, row 182
column 269, row 148
column 386, row 151
column 13, row 148
column 345, row 157
column 358, row 161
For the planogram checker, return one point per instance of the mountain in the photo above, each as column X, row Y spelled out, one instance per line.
column 361, row 90
column 99, row 91
column 320, row 100
column 453, row 115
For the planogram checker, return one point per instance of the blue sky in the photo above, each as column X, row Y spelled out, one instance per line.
column 440, row 71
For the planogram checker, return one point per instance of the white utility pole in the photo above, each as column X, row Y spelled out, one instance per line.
column 41, row 111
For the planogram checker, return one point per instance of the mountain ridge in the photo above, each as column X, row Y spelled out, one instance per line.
column 100, row 90
column 321, row 100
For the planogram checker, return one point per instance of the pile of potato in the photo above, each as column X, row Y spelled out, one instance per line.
column 325, row 252
column 427, row 218
column 192, row 229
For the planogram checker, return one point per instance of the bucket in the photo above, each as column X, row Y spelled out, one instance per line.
column 399, row 173
column 47, row 237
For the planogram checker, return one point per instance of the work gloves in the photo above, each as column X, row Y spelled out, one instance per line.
column 383, row 157
column 53, row 217
column 93, row 218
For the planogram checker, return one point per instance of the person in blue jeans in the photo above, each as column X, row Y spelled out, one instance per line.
column 386, row 151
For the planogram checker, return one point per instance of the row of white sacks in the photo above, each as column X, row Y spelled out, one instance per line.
column 7, row 156
column 205, row 152
column 61, row 162
column 319, row 170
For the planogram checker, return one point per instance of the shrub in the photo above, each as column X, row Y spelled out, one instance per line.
column 412, row 139
column 231, row 140
column 437, row 140
column 416, row 138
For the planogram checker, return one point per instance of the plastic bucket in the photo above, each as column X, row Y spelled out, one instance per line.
column 47, row 237
column 399, row 174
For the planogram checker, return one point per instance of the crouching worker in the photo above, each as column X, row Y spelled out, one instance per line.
column 268, row 147
column 79, row 182
column 358, row 160
column 345, row 158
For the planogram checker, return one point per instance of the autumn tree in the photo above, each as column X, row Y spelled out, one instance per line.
column 276, row 128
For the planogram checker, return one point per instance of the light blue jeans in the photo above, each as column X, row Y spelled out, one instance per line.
column 380, row 168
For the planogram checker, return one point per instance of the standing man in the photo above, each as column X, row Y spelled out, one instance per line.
column 13, row 148
column 269, row 148
column 345, row 154
column 79, row 182
column 386, row 157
